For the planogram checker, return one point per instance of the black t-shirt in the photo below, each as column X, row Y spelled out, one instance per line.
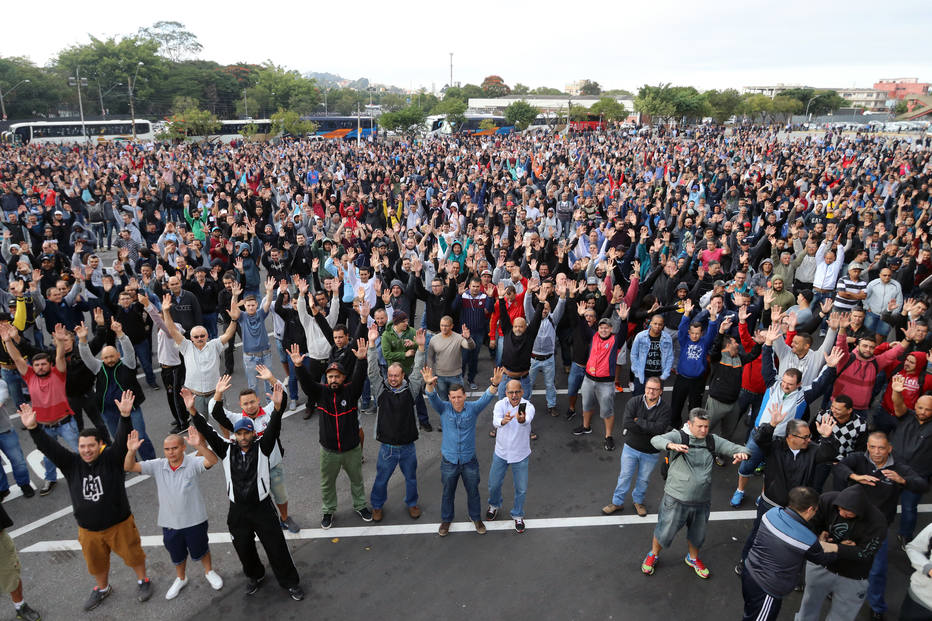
column 654, row 365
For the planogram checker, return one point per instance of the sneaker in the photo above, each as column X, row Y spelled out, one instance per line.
column 697, row 566
column 877, row 616
column 4, row 494
column 901, row 541
column 519, row 525
column 296, row 593
column 444, row 529
column 252, row 586
column 739, row 568
column 472, row 386
column 612, row 508
column 290, row 525
column 27, row 614
column 144, row 590
column 491, row 514
column 47, row 488
column 175, row 429
column 619, row 388
column 216, row 582
column 427, row 427
column 737, row 498
column 570, row 414
column 376, row 515
column 298, row 401
column 493, row 433
column 609, row 444
column 647, row 565
column 480, row 527
column 96, row 597
column 154, row 386
column 641, row 509
column 28, row 490
column 553, row 412
column 579, row 431
column 414, row 512
column 719, row 461
column 175, row 588
column 307, row 412
column 759, row 470
column 365, row 514
column 326, row 521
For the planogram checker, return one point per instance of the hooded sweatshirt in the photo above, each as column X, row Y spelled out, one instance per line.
column 867, row 529
column 912, row 389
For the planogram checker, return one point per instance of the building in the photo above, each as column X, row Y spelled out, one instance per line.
column 869, row 99
column 545, row 103
column 573, row 88
column 772, row 90
column 900, row 88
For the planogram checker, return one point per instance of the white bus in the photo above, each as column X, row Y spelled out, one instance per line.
column 233, row 130
column 64, row 132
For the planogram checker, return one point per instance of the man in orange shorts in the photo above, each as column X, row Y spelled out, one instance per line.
column 98, row 495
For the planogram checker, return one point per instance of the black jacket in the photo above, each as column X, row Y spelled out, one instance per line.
column 339, row 418
column 867, row 530
column 641, row 424
column 725, row 381
column 885, row 494
column 784, row 470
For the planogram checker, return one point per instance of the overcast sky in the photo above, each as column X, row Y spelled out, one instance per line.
column 712, row 44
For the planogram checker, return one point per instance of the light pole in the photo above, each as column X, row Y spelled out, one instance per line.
column 2, row 104
column 451, row 69
column 78, row 81
column 131, row 85
column 807, row 106
column 103, row 112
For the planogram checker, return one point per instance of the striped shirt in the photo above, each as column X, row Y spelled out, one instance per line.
column 851, row 286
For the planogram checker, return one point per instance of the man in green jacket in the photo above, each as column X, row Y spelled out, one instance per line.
column 398, row 345
column 687, row 494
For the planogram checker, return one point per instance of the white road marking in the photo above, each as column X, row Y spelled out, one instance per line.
column 431, row 529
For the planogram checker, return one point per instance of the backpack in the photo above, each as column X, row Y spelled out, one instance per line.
column 684, row 439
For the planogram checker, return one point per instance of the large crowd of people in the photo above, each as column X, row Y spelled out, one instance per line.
column 750, row 297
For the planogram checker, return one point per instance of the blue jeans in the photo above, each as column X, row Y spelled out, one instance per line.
column 519, row 472
column 449, row 476
column 909, row 501
column 292, row 375
column 111, row 416
column 877, row 579
column 471, row 363
column 756, row 456
column 210, row 323
column 575, row 379
column 143, row 351
column 365, row 399
column 67, row 432
column 391, row 456
column 499, row 348
column 631, row 460
column 249, row 365
column 14, row 381
column 444, row 382
column 9, row 444
column 873, row 323
column 525, row 386
column 548, row 367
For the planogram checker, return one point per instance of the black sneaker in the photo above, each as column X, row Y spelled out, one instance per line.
column 739, row 568
column 47, row 488
column 365, row 514
column 609, row 444
column 253, row 585
column 154, row 386
column 296, row 593
column 901, row 541
column 427, row 427
column 144, row 590
column 27, row 614
column 491, row 514
column 326, row 521
column 307, row 412
column 4, row 494
column 28, row 491
column 96, row 597
column 579, row 431
column 175, row 429
column 519, row 525
column 570, row 414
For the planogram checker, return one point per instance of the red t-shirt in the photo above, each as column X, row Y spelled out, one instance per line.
column 48, row 395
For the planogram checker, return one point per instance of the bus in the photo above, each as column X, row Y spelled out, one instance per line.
column 472, row 125
column 64, row 132
column 544, row 123
column 233, row 130
column 344, row 126
column 591, row 123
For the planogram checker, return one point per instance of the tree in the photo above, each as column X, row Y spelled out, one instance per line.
column 546, row 90
column 520, row 89
column 590, row 87
column 578, row 113
column 487, row 125
column 494, row 86
column 277, row 87
column 784, row 107
column 619, row 92
column 757, row 106
column 392, row 101
column 175, row 43
column 407, row 120
column 825, row 101
column 609, row 108
column 521, row 114
column 182, row 102
column 39, row 97
column 656, row 102
column 723, row 104
column 454, row 109
column 289, row 122
column 901, row 107
column 193, row 122
column 690, row 104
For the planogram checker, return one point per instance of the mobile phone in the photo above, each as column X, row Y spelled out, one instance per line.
column 522, row 408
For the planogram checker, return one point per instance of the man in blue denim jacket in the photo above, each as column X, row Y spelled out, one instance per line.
column 458, row 448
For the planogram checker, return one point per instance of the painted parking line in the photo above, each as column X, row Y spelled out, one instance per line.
column 431, row 529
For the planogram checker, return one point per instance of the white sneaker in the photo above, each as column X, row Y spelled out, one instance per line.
column 214, row 579
column 175, row 588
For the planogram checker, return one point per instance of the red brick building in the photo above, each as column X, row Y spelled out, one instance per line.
column 899, row 88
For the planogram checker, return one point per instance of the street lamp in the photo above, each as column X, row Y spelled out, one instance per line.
column 78, row 82
column 131, row 85
column 103, row 112
column 2, row 104
column 806, row 113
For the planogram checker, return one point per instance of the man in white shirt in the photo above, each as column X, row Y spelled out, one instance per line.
column 169, row 357
column 829, row 259
column 511, row 418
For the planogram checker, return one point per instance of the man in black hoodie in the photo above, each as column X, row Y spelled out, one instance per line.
column 98, row 496
column 859, row 528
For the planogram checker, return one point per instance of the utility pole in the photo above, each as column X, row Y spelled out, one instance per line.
column 78, row 81
column 2, row 104
column 358, row 125
column 451, row 69
column 245, row 105
column 131, row 84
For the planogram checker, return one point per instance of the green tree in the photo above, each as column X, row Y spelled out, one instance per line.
column 691, row 105
column 175, row 42
column 191, row 123
column 520, row 89
column 182, row 103
column 578, row 113
column 901, row 107
column 619, row 92
column 546, row 90
column 784, row 107
column 393, row 101
column 724, row 104
column 277, row 87
column 486, row 125
column 590, row 87
column 407, row 120
column 494, row 86
column 289, row 122
column 656, row 101
column 609, row 108
column 39, row 97
column 521, row 114
column 757, row 107
column 454, row 109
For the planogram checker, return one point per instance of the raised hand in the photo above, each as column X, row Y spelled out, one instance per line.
column 188, row 397
column 373, row 335
column 263, row 373
column 688, row 307
column 117, row 327
column 27, row 415
column 142, row 299
column 825, row 425
column 497, row 374
column 296, row 356
column 194, row 439
column 743, row 314
column 277, row 395
column 777, row 415
column 81, row 331
column 302, row 285
column 362, row 349
column 464, row 331
column 270, row 283
column 61, row 334
column 99, row 316
column 835, row 357
column 428, row 375
column 420, row 337
column 133, row 441
column 125, row 403
column 898, row 383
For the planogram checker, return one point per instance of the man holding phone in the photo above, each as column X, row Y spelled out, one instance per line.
column 512, row 418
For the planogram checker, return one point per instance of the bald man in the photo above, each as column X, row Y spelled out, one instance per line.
column 912, row 444
column 114, row 374
column 511, row 418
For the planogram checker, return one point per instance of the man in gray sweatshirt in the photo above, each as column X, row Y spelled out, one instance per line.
column 687, row 494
